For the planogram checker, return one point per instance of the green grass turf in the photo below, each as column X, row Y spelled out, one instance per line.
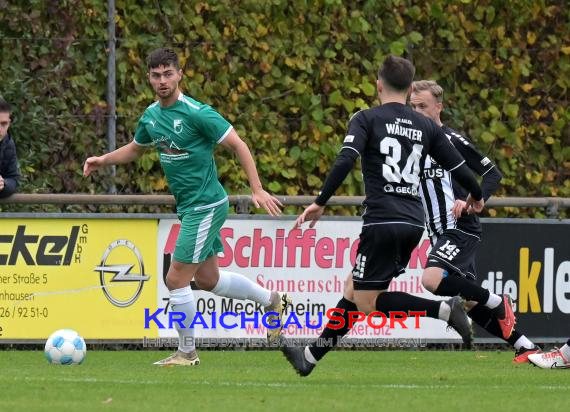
column 264, row 381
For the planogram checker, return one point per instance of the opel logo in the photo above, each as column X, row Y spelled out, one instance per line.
column 122, row 273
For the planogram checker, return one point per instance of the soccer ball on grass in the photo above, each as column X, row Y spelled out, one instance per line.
column 65, row 347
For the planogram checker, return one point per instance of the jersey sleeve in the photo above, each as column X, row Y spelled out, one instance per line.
column 212, row 125
column 357, row 136
column 443, row 151
column 474, row 159
column 142, row 138
column 342, row 166
column 352, row 146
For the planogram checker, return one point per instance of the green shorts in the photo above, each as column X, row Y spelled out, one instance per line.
column 199, row 236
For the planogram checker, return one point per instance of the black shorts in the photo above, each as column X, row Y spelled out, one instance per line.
column 455, row 251
column 383, row 253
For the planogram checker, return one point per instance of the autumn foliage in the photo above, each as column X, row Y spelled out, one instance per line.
column 288, row 74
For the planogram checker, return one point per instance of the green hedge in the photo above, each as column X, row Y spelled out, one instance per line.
column 288, row 74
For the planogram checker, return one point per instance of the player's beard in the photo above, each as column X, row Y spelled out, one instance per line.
column 165, row 93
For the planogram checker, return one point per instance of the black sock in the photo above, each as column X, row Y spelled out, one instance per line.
column 317, row 348
column 485, row 317
column 515, row 335
column 399, row 301
column 457, row 285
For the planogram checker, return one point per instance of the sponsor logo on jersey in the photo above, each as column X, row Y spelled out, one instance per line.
column 485, row 161
column 178, row 126
column 434, row 173
column 405, row 190
column 349, row 138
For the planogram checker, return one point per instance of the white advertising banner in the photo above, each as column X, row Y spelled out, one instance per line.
column 311, row 265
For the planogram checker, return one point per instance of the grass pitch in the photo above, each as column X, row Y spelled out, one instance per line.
column 264, row 381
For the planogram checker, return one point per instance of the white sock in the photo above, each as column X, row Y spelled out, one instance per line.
column 523, row 342
column 236, row 286
column 493, row 301
column 444, row 311
column 182, row 300
column 309, row 356
column 565, row 351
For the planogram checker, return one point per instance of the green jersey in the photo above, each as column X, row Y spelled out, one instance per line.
column 185, row 135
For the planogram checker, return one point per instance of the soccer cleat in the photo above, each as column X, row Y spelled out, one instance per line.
column 550, row 360
column 279, row 307
column 180, row 358
column 521, row 356
column 296, row 357
column 508, row 320
column 459, row 320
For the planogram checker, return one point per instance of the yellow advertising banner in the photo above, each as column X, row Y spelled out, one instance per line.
column 92, row 275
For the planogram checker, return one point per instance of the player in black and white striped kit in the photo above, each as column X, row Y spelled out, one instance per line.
column 392, row 141
column 456, row 232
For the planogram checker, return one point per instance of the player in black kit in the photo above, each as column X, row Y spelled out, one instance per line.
column 392, row 141
column 455, row 234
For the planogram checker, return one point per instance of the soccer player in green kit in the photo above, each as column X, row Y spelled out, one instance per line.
column 185, row 132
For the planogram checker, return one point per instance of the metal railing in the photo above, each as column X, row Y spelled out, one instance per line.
column 242, row 203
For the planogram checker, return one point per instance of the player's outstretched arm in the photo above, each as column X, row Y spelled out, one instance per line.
column 259, row 196
column 343, row 165
column 125, row 154
column 312, row 213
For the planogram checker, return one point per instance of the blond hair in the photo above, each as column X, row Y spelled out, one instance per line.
column 430, row 85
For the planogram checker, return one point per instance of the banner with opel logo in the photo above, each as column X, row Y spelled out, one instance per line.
column 92, row 275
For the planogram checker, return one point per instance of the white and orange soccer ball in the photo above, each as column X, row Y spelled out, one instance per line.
column 65, row 347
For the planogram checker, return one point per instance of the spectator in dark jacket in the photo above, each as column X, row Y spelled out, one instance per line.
column 9, row 174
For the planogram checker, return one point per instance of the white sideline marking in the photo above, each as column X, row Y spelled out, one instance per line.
column 269, row 385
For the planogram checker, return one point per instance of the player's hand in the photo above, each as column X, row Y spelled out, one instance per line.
column 91, row 164
column 474, row 206
column 458, row 208
column 270, row 203
column 1, row 183
column 312, row 213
